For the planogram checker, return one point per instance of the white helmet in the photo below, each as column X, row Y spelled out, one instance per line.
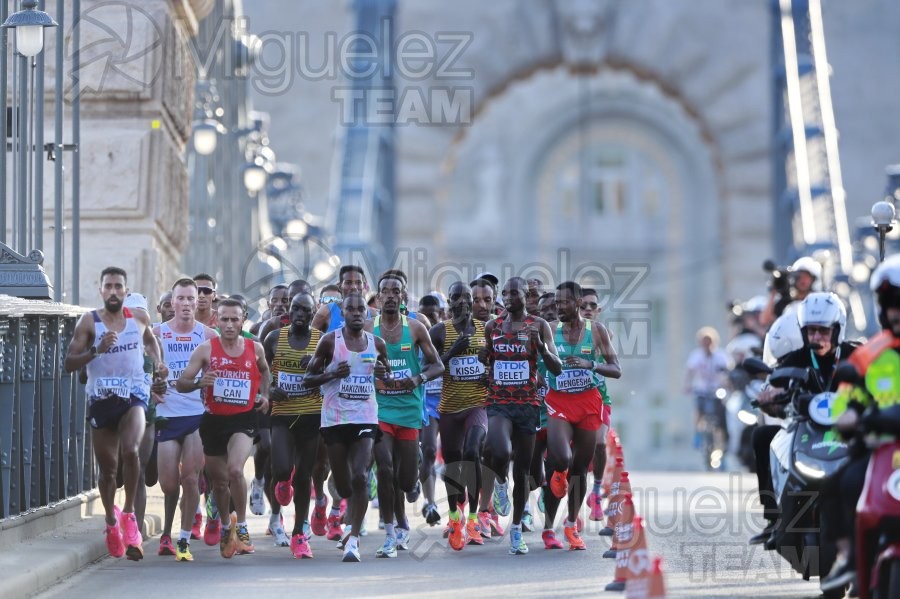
column 885, row 284
column 757, row 303
column 825, row 310
column 784, row 336
column 743, row 346
column 807, row 265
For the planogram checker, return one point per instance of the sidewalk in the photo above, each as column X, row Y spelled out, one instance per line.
column 52, row 543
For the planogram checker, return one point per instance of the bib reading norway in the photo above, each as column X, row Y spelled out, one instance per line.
column 237, row 380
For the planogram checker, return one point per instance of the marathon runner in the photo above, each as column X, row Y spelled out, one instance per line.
column 206, row 299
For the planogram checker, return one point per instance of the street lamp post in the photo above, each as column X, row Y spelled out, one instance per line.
column 882, row 218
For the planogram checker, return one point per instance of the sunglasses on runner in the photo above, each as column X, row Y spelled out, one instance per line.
column 329, row 299
column 205, row 290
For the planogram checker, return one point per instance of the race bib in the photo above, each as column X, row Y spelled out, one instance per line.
column 434, row 386
column 542, row 392
column 176, row 367
column 511, row 372
column 574, row 380
column 357, row 387
column 292, row 384
column 228, row 390
column 112, row 386
column 466, row 368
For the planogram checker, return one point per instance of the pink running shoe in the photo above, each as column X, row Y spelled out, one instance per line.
column 319, row 521
column 300, row 547
column 343, row 507
column 114, row 543
column 131, row 535
column 550, row 540
column 596, row 505
column 335, row 532
column 166, row 546
column 196, row 532
column 497, row 530
column 284, row 492
column 212, row 534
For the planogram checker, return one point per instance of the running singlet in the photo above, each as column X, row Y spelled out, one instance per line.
column 463, row 387
column 395, row 406
column 351, row 400
column 574, row 380
column 336, row 318
column 288, row 375
column 177, row 349
column 119, row 371
column 237, row 380
column 512, row 367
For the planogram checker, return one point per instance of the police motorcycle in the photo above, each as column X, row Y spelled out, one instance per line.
column 803, row 454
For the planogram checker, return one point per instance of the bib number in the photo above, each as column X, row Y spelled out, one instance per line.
column 574, row 380
column 233, row 391
column 511, row 372
column 434, row 386
column 357, row 387
column 466, row 368
column 112, row 386
column 292, row 384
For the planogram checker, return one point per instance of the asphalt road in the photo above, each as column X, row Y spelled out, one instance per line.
column 698, row 522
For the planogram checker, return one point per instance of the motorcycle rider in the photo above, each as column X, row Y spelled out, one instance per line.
column 879, row 362
column 822, row 320
column 805, row 276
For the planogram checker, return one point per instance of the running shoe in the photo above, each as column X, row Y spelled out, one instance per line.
column 281, row 539
column 319, row 522
column 131, row 536
column 456, row 537
column 596, row 505
column 244, row 546
column 351, row 554
column 550, row 540
column 307, row 530
column 559, row 483
column 527, row 522
column 413, row 496
column 402, row 538
column 573, row 537
column 343, row 507
column 212, row 534
column 257, row 503
column 431, row 514
column 166, row 547
column 517, row 546
column 496, row 529
column 446, row 531
column 388, row 549
column 270, row 532
column 363, row 531
column 300, row 547
column 473, row 535
column 228, row 542
column 196, row 529
column 500, row 500
column 373, row 484
column 114, row 543
column 284, row 492
column 183, row 551
column 334, row 532
column 484, row 524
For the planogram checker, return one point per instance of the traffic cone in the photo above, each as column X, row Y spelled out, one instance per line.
column 624, row 538
column 614, row 496
column 623, row 517
column 656, row 588
column 609, row 470
column 638, row 575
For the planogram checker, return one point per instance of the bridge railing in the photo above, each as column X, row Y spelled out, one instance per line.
column 45, row 445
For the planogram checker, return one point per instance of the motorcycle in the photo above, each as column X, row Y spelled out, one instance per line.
column 742, row 420
column 804, row 452
column 878, row 510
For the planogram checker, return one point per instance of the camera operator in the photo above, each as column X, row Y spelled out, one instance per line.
column 823, row 321
column 790, row 286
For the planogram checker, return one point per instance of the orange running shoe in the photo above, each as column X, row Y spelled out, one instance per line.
column 228, row 543
column 473, row 534
column 550, row 540
column 573, row 537
column 456, row 538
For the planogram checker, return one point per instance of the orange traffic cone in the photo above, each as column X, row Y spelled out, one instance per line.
column 625, row 538
column 656, row 589
column 614, row 496
column 638, row 575
column 622, row 528
column 609, row 471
